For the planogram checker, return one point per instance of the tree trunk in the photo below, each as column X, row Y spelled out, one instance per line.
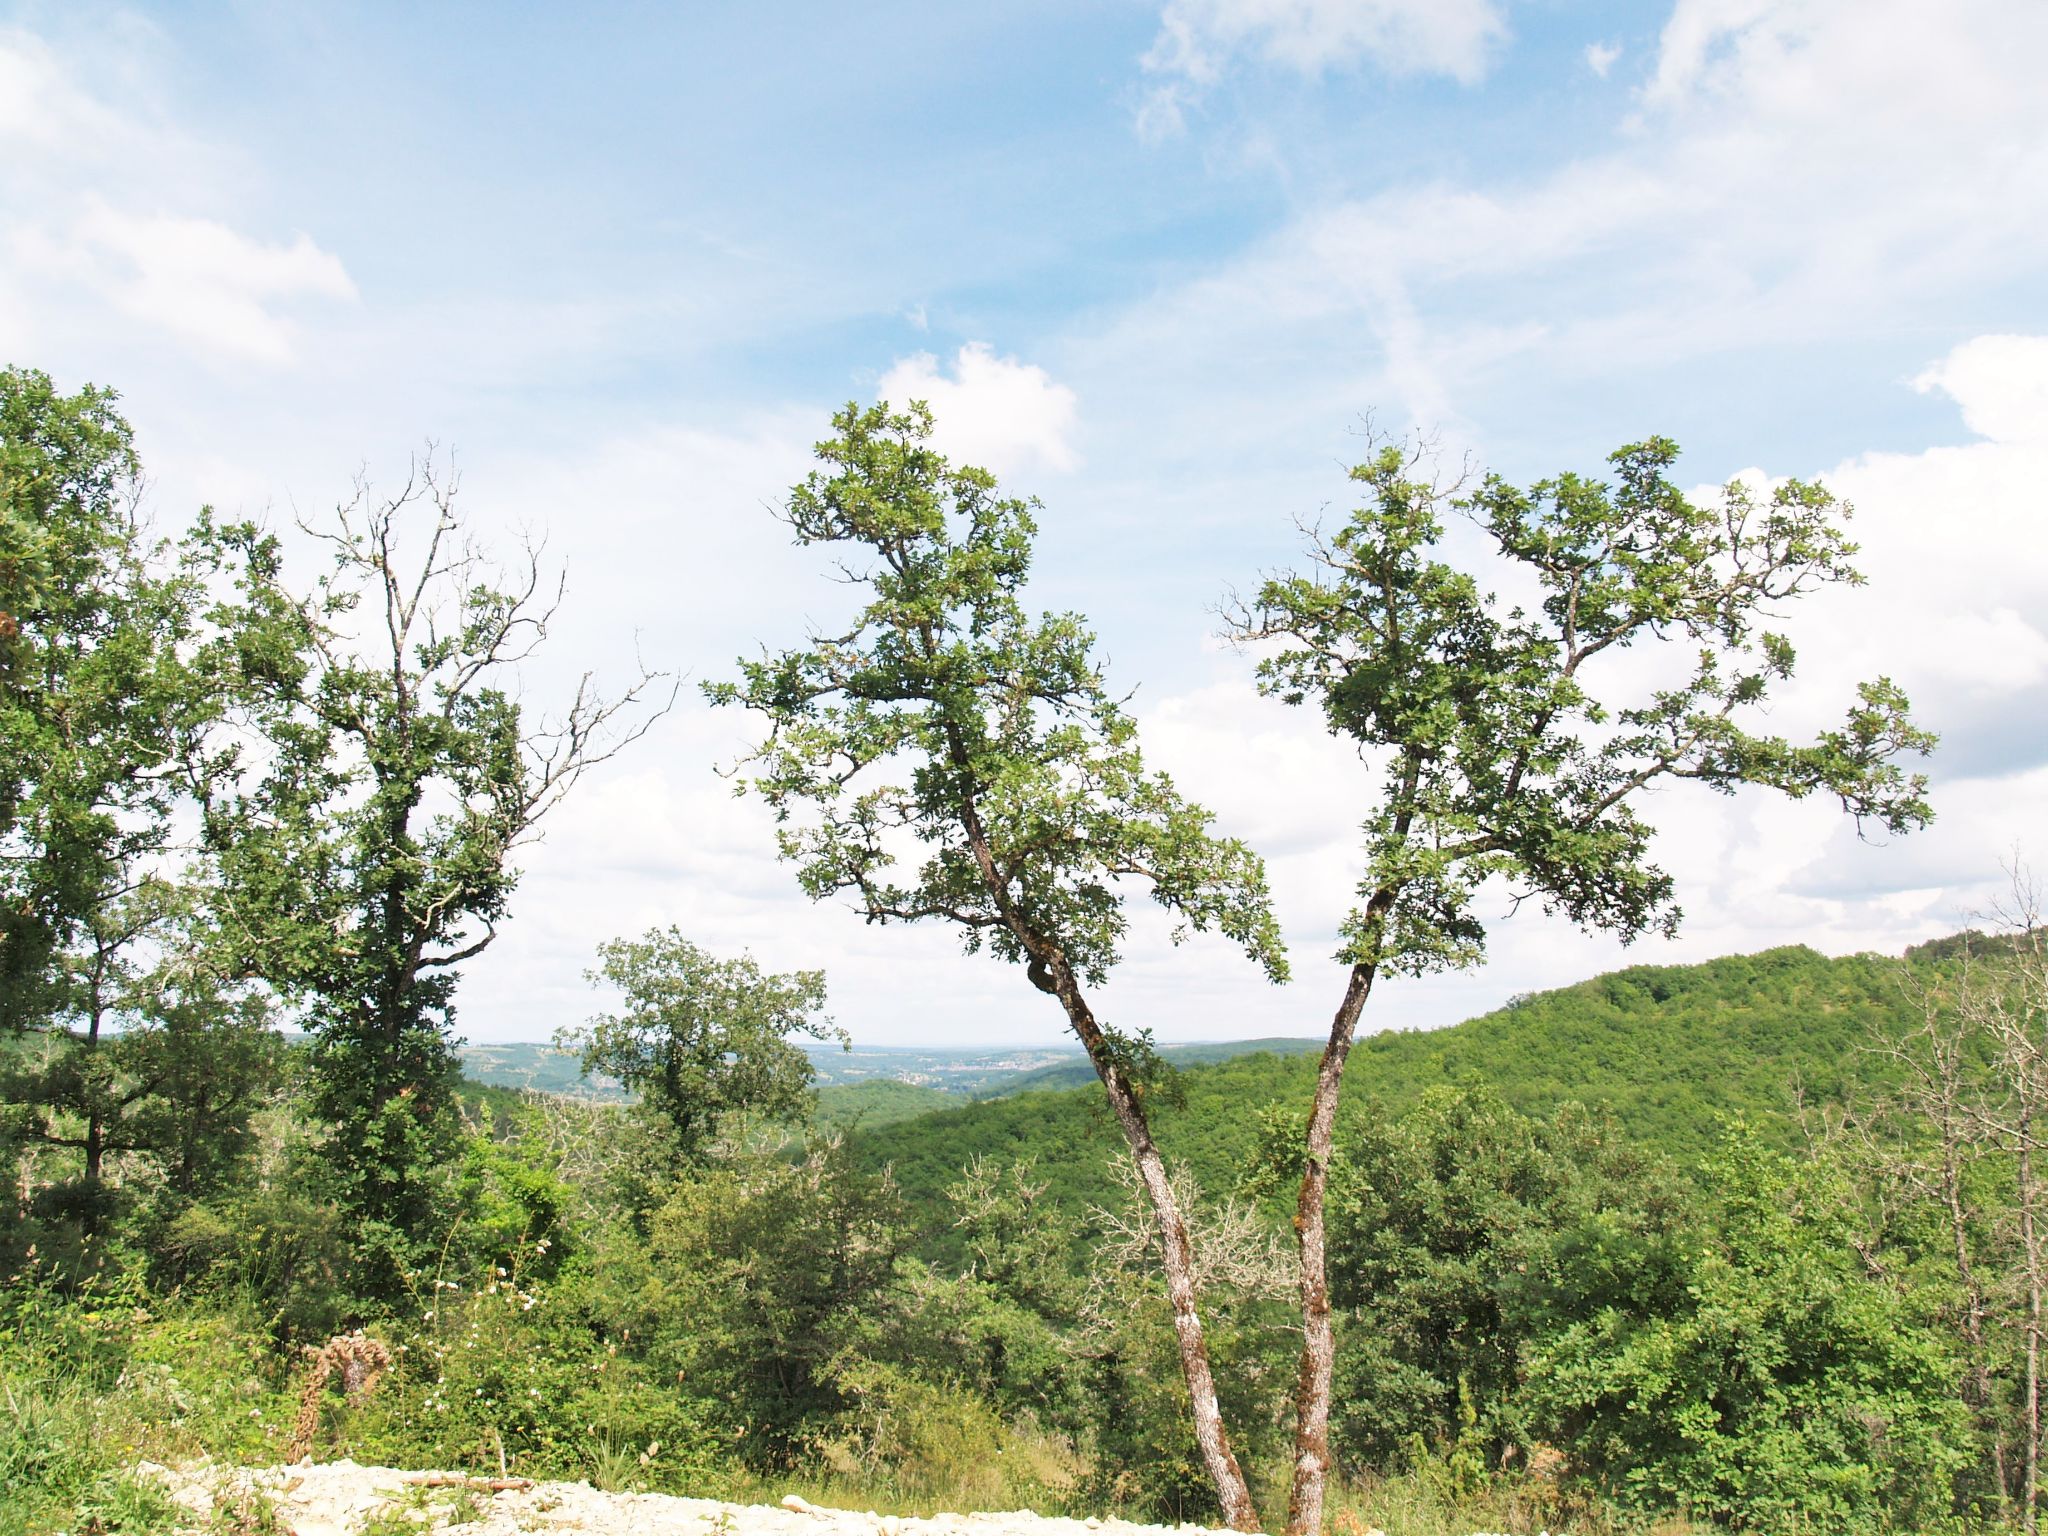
column 2030, row 1245
column 1973, row 1315
column 1176, row 1253
column 95, row 1111
column 1318, row 1346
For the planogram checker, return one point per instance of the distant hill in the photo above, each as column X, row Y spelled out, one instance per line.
column 1668, row 1049
column 872, row 1105
column 532, row 1064
column 948, row 1076
column 1078, row 1071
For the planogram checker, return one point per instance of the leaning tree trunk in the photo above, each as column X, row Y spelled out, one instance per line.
column 1318, row 1345
column 1176, row 1251
column 1049, row 972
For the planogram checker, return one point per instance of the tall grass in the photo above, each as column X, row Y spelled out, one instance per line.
column 93, row 1382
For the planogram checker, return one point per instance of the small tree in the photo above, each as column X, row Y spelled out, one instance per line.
column 947, row 724
column 369, row 849
column 152, row 1051
column 700, row 1039
column 2000, row 1002
column 1503, row 758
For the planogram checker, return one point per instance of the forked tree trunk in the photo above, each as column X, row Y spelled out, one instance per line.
column 1318, row 1345
column 1176, row 1251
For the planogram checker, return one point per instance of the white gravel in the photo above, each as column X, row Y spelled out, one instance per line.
column 337, row 1498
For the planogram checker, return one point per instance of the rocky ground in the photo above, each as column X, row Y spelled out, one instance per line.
column 340, row 1498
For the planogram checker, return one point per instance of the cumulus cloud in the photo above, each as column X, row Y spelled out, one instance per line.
column 997, row 412
column 2001, row 382
column 1600, row 57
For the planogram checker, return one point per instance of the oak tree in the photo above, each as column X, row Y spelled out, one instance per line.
column 369, row 841
column 1510, row 754
column 698, row 1039
column 949, row 757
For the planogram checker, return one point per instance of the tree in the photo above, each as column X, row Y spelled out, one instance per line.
column 1774, row 1383
column 152, row 1050
column 1999, row 1004
column 94, row 695
column 1463, row 1234
column 1504, row 758
column 700, row 1039
column 946, row 724
column 369, row 849
column 141, row 1045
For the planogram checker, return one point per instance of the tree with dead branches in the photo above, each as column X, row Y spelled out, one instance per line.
column 369, row 826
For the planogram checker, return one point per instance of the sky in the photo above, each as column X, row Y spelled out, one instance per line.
column 1157, row 264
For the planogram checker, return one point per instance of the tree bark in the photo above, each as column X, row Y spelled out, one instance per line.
column 2030, row 1244
column 1318, row 1346
column 1177, row 1256
column 1049, row 971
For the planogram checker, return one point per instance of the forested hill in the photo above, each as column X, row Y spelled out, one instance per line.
column 1670, row 1049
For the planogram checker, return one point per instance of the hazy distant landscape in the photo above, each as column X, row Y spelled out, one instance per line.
column 975, row 1074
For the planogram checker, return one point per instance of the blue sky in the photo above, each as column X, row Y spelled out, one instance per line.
column 1153, row 262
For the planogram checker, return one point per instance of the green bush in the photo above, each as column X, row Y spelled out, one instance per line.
column 1788, row 1390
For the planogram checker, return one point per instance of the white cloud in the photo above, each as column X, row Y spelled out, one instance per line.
column 204, row 282
column 1199, row 40
column 109, row 223
column 997, row 412
column 2001, row 382
column 1792, row 175
column 1600, row 57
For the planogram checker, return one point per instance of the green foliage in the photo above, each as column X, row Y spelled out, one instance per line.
column 146, row 1045
column 371, row 853
column 1768, row 1380
column 699, row 1040
column 93, row 1380
column 945, row 719
column 1504, row 760
column 843, row 1107
column 1463, row 1235
column 770, row 1273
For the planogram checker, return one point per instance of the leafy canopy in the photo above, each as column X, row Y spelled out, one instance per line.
column 96, row 698
column 1504, row 758
column 698, row 1038
column 948, row 721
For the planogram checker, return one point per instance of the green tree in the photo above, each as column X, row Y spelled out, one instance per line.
column 152, row 1051
column 94, row 695
column 772, row 1275
column 1507, row 755
column 699, row 1039
column 141, row 1044
column 1776, row 1383
column 370, row 848
column 946, row 724
column 1462, row 1235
